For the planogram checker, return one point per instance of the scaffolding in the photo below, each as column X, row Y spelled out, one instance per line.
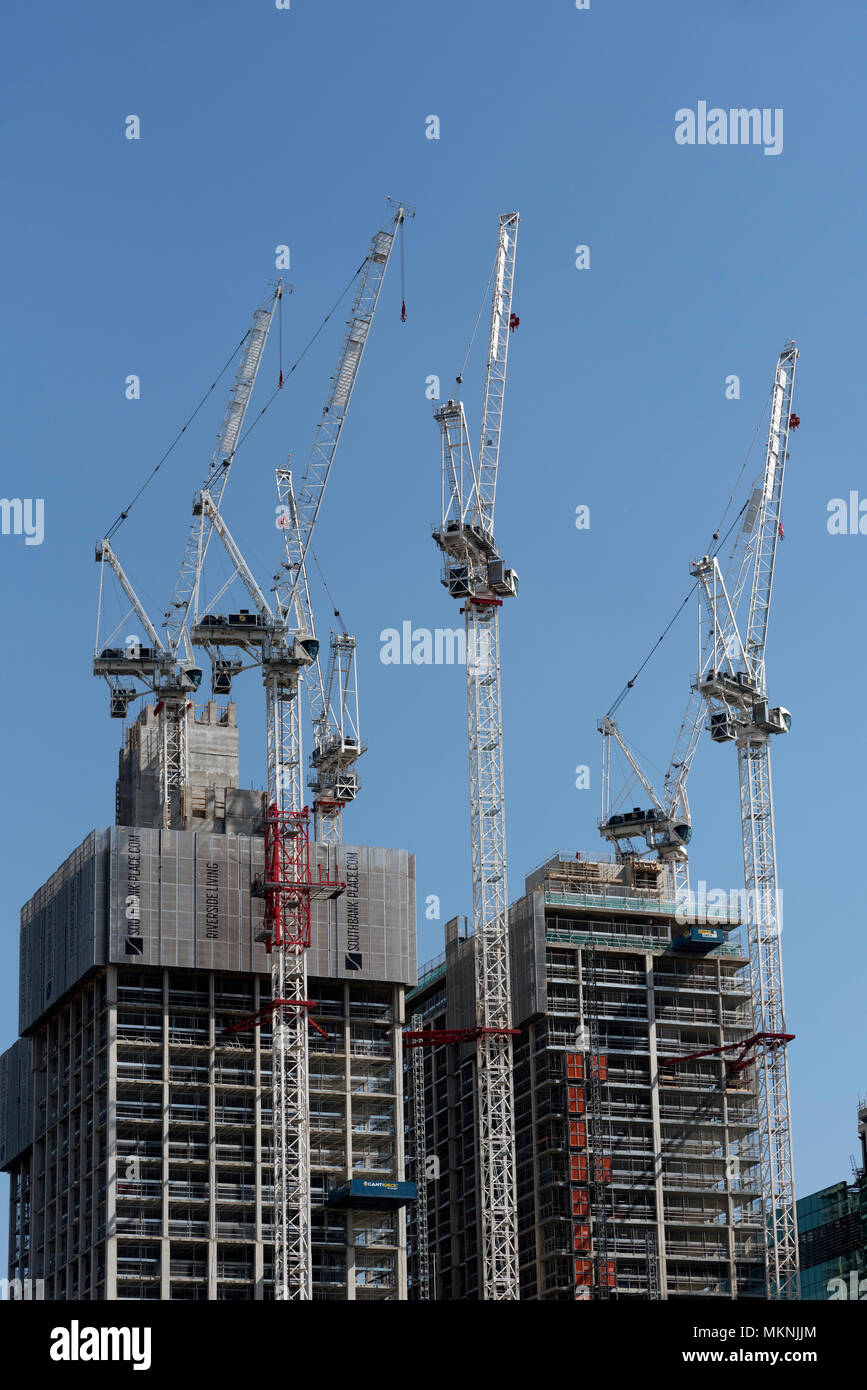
column 422, row 1282
column 599, row 1149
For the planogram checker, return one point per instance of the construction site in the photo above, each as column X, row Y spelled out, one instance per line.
column 235, row 1081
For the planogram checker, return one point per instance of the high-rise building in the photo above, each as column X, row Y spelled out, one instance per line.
column 832, row 1234
column 133, row 1125
column 637, row 1171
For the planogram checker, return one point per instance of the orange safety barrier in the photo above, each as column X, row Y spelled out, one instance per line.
column 574, row 1066
column 580, row 1203
column 576, row 1100
column 577, row 1134
column 581, row 1237
column 579, row 1167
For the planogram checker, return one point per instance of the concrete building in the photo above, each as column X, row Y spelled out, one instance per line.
column 635, row 1179
column 832, row 1234
column 134, row 1129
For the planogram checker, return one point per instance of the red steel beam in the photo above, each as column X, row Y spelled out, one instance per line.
column 770, row 1040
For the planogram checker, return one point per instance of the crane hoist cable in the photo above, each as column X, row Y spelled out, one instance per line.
column 337, row 612
column 670, row 624
column 122, row 516
column 280, row 339
column 402, row 273
column 125, row 513
column 737, row 482
column 460, row 376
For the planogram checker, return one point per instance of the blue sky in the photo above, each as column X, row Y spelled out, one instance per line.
column 261, row 127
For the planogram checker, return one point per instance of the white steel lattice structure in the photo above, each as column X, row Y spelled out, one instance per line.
column 475, row 573
column 732, row 683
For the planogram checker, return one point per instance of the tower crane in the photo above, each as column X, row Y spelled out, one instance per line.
column 152, row 664
column 337, row 745
column 288, row 886
column 730, row 690
column 168, row 667
column 666, row 826
column 732, row 683
column 475, row 574
column 282, row 640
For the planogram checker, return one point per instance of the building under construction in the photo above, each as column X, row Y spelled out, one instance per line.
column 212, row 1005
column 637, row 1170
column 135, row 1113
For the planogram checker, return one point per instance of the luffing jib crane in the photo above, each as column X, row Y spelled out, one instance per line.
column 475, row 574
column 665, row 827
column 731, row 691
column 168, row 668
column 281, row 638
column 732, row 683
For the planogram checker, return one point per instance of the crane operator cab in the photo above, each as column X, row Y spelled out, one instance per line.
column 191, row 675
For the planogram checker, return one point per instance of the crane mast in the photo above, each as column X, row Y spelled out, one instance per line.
column 277, row 639
column 733, row 685
column 475, row 573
